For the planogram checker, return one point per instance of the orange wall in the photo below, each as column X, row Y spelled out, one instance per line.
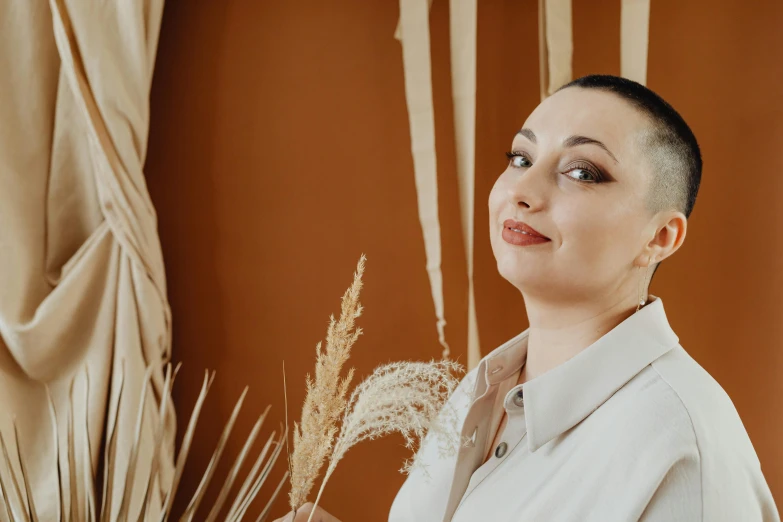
column 279, row 152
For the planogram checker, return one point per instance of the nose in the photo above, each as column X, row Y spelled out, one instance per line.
column 527, row 188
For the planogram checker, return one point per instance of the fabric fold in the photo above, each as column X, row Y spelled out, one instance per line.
column 82, row 280
column 555, row 45
column 463, row 23
column 634, row 39
column 414, row 35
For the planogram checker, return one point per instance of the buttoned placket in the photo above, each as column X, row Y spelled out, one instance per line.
column 474, row 434
column 513, row 434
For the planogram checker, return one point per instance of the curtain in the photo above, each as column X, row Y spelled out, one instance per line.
column 463, row 29
column 555, row 45
column 413, row 31
column 82, row 282
column 634, row 33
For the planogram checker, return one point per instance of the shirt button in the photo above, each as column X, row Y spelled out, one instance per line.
column 519, row 398
column 501, row 450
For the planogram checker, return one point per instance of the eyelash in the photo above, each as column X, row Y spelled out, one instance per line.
column 596, row 173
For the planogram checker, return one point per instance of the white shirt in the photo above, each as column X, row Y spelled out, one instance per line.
column 631, row 428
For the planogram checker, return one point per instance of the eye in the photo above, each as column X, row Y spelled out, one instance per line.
column 518, row 160
column 581, row 175
column 584, row 173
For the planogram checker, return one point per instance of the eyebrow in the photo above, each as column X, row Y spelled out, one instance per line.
column 571, row 141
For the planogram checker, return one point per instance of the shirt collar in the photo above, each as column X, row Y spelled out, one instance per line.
column 559, row 399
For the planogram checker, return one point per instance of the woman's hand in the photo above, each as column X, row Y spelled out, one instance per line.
column 303, row 513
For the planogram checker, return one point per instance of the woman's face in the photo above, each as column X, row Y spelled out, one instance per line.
column 577, row 174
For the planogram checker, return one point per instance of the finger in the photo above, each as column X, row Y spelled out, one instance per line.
column 303, row 513
column 288, row 518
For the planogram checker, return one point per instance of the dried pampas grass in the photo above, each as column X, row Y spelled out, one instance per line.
column 19, row 498
column 325, row 400
column 405, row 397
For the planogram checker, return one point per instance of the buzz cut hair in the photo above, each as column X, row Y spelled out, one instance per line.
column 674, row 154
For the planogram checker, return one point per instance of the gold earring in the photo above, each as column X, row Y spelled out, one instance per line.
column 642, row 301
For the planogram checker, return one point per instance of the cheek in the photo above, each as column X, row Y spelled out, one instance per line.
column 597, row 234
column 496, row 203
column 498, row 207
column 496, row 195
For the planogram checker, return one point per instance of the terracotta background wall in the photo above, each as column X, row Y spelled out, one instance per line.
column 279, row 152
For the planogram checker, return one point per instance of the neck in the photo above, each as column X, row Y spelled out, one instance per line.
column 559, row 333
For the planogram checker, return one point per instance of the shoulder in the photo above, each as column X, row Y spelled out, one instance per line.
column 706, row 405
column 730, row 472
column 649, row 419
column 674, row 394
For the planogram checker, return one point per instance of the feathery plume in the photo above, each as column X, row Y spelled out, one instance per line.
column 404, row 397
column 325, row 400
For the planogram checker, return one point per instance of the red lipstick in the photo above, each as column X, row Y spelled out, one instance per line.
column 518, row 233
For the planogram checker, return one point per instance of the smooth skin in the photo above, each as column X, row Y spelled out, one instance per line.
column 303, row 514
column 592, row 201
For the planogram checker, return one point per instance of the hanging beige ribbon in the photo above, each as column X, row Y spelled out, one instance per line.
column 555, row 45
column 463, row 23
column 414, row 35
column 634, row 39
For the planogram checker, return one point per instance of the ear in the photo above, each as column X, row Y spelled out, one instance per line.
column 668, row 233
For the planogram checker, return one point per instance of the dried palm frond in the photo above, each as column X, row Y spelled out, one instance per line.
column 403, row 397
column 326, row 396
column 20, row 500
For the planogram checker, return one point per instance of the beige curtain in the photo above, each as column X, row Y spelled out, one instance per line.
column 82, row 283
column 555, row 45
column 463, row 28
column 413, row 31
column 634, row 33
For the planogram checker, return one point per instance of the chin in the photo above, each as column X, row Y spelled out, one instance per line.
column 519, row 273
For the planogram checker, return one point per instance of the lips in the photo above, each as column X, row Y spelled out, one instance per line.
column 519, row 227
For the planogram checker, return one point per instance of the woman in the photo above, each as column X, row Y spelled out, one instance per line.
column 595, row 412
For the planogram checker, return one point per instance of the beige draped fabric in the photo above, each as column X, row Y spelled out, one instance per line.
column 463, row 29
column 413, row 31
column 555, row 44
column 634, row 38
column 82, row 283
column 414, row 34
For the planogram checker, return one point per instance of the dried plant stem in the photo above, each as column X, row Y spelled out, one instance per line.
column 89, row 483
column 17, row 494
column 259, row 481
column 130, row 473
column 167, row 386
column 326, row 395
column 404, row 397
column 239, row 502
column 187, row 440
column 14, row 481
column 265, row 513
column 190, row 511
column 232, row 475
column 285, row 399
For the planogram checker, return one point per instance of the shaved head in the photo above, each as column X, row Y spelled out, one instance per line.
column 669, row 144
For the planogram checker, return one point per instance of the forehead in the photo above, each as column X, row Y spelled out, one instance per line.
column 593, row 113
